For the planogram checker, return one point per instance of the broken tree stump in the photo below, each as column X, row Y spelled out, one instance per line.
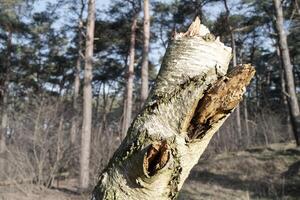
column 192, row 97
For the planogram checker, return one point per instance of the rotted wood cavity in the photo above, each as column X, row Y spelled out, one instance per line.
column 156, row 157
column 220, row 99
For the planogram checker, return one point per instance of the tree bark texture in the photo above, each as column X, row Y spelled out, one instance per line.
column 87, row 98
column 191, row 99
column 288, row 71
column 130, row 77
column 145, row 59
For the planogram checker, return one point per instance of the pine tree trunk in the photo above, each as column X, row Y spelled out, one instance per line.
column 190, row 101
column 297, row 7
column 282, row 79
column 234, row 63
column 3, row 129
column 145, row 59
column 248, row 139
column 288, row 70
column 5, row 95
column 87, row 98
column 237, row 110
column 4, row 120
column 130, row 77
column 74, row 125
column 5, row 104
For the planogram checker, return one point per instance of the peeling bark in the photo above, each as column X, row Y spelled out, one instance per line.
column 190, row 101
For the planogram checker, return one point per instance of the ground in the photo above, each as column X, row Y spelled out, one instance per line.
column 259, row 173
column 271, row 172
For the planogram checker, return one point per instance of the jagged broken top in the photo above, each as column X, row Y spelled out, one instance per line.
column 197, row 29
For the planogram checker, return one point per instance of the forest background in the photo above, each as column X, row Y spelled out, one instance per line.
column 43, row 65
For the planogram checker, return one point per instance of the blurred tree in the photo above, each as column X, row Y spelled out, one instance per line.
column 288, row 69
column 130, row 71
column 10, row 24
column 145, row 59
column 74, row 125
column 87, row 98
column 234, row 64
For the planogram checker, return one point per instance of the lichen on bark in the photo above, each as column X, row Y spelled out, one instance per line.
column 178, row 120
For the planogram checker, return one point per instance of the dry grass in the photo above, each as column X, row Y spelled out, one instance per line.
column 271, row 172
column 39, row 151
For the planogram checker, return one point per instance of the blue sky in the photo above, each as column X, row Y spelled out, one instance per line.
column 212, row 11
column 102, row 2
column 42, row 3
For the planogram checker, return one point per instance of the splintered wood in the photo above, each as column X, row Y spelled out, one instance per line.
column 194, row 28
column 220, row 99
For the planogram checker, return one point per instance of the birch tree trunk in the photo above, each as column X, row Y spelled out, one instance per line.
column 190, row 101
column 130, row 77
column 145, row 59
column 288, row 71
column 87, row 98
